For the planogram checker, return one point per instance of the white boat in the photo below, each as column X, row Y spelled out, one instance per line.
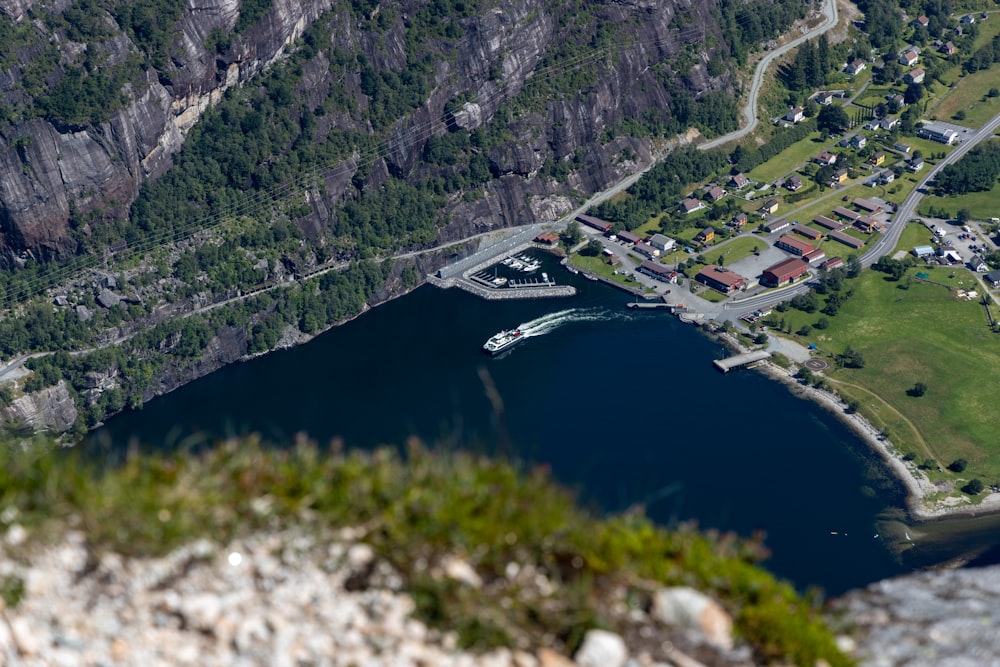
column 503, row 340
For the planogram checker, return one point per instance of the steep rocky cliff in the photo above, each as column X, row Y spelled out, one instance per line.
column 74, row 159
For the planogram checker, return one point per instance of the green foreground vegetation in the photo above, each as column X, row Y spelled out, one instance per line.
column 415, row 509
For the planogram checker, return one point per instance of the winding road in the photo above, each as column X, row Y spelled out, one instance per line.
column 750, row 108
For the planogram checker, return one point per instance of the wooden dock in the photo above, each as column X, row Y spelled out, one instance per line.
column 741, row 361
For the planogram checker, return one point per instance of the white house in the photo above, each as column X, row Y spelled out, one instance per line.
column 795, row 115
column 908, row 58
column 661, row 242
column 855, row 67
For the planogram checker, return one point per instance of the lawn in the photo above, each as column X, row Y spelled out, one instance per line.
column 919, row 334
column 982, row 205
column 598, row 266
column 735, row 249
column 787, row 160
column 969, row 96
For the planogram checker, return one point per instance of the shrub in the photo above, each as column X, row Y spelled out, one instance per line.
column 973, row 488
column 958, row 465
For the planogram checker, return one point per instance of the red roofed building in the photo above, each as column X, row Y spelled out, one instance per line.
column 847, row 240
column 794, row 245
column 868, row 205
column 832, row 263
column 548, row 238
column 594, row 223
column 815, row 256
column 783, row 272
column 720, row 279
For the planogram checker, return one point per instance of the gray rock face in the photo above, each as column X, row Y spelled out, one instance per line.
column 932, row 619
column 50, row 409
column 49, row 169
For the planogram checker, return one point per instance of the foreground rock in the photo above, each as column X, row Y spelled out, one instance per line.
column 931, row 619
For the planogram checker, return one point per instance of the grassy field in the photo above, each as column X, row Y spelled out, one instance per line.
column 982, row 205
column 969, row 95
column 735, row 249
column 922, row 333
column 786, row 161
column 598, row 266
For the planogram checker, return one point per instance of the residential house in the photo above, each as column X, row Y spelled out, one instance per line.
column 824, row 98
column 657, row 271
column 896, row 99
column 858, row 141
column 783, row 272
column 876, row 159
column 795, row 115
column 908, row 58
column 646, row 250
column 770, row 207
column 947, row 49
column 977, row 264
column 705, row 235
column 920, row 22
column 992, row 278
column 793, row 183
column 776, row 226
column 886, row 177
column 826, row 158
column 793, row 245
column 720, row 279
column 690, row 205
column 915, row 165
column 839, row 176
column 739, row 220
column 602, row 226
column 915, row 75
column 968, row 19
column 855, row 67
column 662, row 243
column 873, row 124
column 890, row 123
column 739, row 181
column 715, row 193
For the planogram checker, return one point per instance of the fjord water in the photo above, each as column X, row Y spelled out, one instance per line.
column 624, row 406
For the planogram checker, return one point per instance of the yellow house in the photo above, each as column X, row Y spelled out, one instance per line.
column 705, row 235
column 876, row 159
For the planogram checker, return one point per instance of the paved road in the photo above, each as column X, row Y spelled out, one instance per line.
column 890, row 238
column 750, row 108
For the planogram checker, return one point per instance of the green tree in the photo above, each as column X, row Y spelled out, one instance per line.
column 833, row 119
column 973, row 488
column 958, row 465
column 572, row 234
column 917, row 390
column 594, row 248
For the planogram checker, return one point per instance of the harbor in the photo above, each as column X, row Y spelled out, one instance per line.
column 505, row 270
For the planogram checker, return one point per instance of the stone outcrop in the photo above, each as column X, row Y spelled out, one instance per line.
column 51, row 409
column 296, row 596
column 949, row 618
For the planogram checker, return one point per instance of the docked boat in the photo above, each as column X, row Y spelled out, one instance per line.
column 503, row 340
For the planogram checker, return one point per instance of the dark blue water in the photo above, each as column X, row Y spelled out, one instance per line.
column 625, row 407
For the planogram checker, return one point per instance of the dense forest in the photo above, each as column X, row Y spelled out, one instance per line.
column 976, row 172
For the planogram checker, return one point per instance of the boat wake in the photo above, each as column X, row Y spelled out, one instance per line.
column 552, row 321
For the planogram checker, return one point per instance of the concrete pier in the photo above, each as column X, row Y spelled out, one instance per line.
column 741, row 360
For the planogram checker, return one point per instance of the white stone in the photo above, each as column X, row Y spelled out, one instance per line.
column 202, row 611
column 687, row 608
column 601, row 648
column 459, row 570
